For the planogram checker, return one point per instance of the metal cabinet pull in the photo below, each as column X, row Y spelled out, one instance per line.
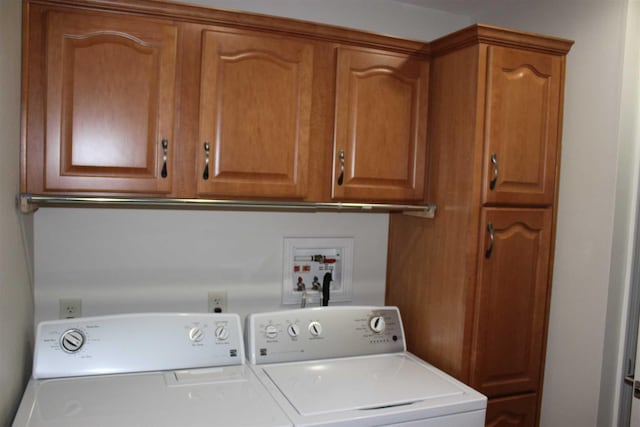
column 165, row 150
column 207, row 149
column 341, row 177
column 487, row 253
column 494, row 162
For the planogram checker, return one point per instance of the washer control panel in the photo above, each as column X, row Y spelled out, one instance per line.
column 324, row 332
column 136, row 343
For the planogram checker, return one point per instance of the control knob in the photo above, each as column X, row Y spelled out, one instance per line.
column 294, row 330
column 222, row 333
column 377, row 324
column 315, row 328
column 271, row 331
column 72, row 340
column 196, row 334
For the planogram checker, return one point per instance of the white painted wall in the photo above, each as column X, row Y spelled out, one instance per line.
column 614, row 365
column 16, row 304
column 589, row 176
column 378, row 16
column 159, row 260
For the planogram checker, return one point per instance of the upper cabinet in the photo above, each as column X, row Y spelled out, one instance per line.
column 254, row 116
column 521, row 126
column 381, row 126
column 103, row 119
column 168, row 100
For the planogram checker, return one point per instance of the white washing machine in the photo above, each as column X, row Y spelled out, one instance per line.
column 145, row 370
column 348, row 366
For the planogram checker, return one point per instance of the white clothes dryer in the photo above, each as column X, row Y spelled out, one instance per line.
column 348, row 366
column 144, row 370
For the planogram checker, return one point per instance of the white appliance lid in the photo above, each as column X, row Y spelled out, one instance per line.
column 338, row 385
column 228, row 396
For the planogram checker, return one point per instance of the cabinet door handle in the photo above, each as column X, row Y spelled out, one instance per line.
column 341, row 177
column 494, row 162
column 165, row 150
column 487, row 253
column 207, row 150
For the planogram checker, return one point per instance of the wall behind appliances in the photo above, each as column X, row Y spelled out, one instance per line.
column 16, row 299
column 163, row 260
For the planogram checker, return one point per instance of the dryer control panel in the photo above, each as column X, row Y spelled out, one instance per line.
column 136, row 343
column 323, row 332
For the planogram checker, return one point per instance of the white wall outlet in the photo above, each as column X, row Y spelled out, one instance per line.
column 217, row 302
column 307, row 260
column 70, row 308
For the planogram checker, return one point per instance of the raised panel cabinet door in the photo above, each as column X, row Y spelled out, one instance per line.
column 522, row 118
column 255, row 107
column 516, row 411
column 380, row 132
column 511, row 298
column 110, row 88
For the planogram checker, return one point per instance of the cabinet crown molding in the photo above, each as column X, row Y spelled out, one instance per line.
column 481, row 33
column 247, row 20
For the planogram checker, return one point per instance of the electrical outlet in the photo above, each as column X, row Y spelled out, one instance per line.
column 70, row 308
column 217, row 302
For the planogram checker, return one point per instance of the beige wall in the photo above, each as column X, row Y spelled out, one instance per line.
column 16, row 295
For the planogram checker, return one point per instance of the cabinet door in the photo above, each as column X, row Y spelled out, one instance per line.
column 511, row 298
column 517, row 411
column 110, row 87
column 381, row 124
column 255, row 100
column 521, row 126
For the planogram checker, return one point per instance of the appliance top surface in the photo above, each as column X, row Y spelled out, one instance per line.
column 226, row 396
column 370, row 382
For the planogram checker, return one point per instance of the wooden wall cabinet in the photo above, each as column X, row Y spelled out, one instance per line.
column 473, row 285
column 523, row 91
column 255, row 110
column 380, row 130
column 102, row 103
column 166, row 100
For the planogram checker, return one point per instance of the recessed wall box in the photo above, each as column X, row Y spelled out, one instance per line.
column 306, row 263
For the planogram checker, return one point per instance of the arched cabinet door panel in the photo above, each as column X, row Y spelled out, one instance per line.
column 522, row 120
column 513, row 411
column 511, row 298
column 255, row 109
column 110, row 89
column 380, row 134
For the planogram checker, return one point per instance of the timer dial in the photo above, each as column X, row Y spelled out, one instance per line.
column 293, row 330
column 271, row 331
column 222, row 333
column 72, row 340
column 315, row 328
column 377, row 324
column 196, row 334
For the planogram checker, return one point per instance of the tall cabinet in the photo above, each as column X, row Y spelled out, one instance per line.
column 474, row 284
